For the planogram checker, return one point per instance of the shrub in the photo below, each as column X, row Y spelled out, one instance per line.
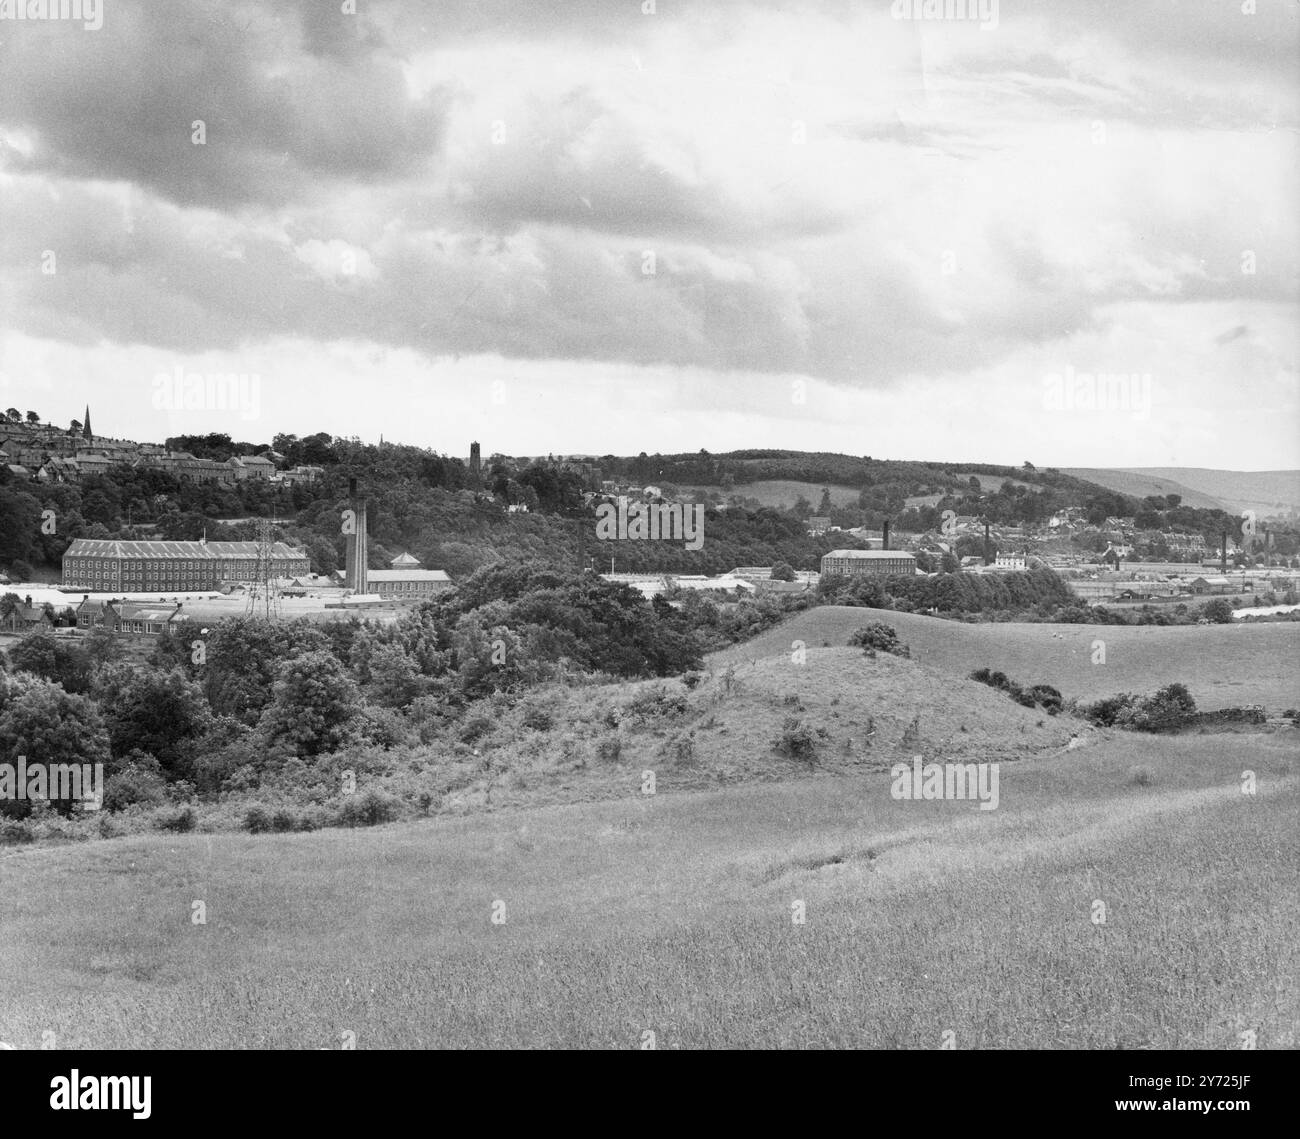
column 283, row 821
column 257, row 820
column 1048, row 697
column 1169, row 709
column 797, row 740
column 681, row 749
column 178, row 822
column 1106, row 712
column 475, row 729
column 14, row 832
column 1217, row 612
column 368, row 809
column 657, row 703
column 539, row 719
column 133, row 785
column 878, row 635
column 609, row 749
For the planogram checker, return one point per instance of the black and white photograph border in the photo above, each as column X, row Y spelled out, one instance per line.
column 649, row 525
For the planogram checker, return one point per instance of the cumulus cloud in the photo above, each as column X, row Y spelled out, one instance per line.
column 730, row 191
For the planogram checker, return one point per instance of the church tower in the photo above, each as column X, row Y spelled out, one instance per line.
column 86, row 432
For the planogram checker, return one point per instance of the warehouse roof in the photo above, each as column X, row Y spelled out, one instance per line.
column 107, row 548
column 869, row 554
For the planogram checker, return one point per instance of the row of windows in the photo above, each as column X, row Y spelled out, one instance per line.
column 82, row 566
column 403, row 587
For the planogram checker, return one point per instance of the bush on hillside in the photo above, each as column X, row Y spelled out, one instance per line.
column 657, row 704
column 140, row 781
column 878, row 635
column 368, row 808
column 179, row 822
column 538, row 719
column 1169, row 709
column 1038, row 696
column 797, row 740
column 257, row 820
column 475, row 729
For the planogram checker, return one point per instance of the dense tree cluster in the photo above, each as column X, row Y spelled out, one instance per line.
column 950, row 593
column 216, row 709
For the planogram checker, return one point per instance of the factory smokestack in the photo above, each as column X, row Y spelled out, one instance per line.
column 987, row 559
column 1224, row 563
column 884, row 536
column 475, row 463
column 355, row 575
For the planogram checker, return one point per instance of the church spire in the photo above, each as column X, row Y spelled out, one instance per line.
column 86, row 432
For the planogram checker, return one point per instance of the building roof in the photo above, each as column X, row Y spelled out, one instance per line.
column 770, row 586
column 407, row 575
column 112, row 548
column 404, row 559
column 868, row 554
column 135, row 611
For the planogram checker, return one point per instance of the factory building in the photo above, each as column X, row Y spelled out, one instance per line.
column 109, row 566
column 877, row 563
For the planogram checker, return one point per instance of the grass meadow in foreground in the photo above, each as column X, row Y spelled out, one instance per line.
column 674, row 915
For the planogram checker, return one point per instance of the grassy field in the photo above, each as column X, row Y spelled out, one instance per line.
column 783, row 493
column 1223, row 665
column 673, row 915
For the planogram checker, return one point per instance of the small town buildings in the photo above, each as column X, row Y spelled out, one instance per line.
column 406, row 579
column 876, row 563
column 298, row 475
column 148, row 618
column 28, row 618
column 244, row 467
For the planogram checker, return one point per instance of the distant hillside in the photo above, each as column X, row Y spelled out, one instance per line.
column 784, row 493
column 1139, row 484
column 1223, row 665
column 1266, row 492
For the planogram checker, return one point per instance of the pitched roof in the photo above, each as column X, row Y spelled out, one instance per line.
column 405, row 559
column 407, row 575
column 133, row 611
column 868, row 554
column 112, row 548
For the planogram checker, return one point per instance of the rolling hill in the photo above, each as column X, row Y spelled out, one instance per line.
column 1223, row 665
column 1266, row 492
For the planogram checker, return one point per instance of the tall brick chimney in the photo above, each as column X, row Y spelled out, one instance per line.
column 354, row 558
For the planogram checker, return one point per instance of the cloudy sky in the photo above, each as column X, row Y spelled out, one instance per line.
column 589, row 227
